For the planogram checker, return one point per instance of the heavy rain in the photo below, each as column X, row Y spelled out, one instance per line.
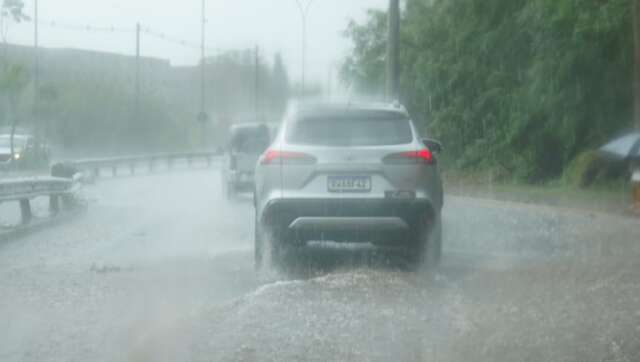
column 320, row 180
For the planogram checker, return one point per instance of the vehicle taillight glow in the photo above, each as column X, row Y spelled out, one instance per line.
column 273, row 156
column 421, row 156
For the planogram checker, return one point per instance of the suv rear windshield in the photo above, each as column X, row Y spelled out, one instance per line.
column 350, row 131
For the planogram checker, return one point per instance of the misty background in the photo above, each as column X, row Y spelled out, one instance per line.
column 87, row 68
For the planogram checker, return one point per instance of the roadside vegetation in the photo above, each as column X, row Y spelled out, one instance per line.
column 523, row 90
column 613, row 196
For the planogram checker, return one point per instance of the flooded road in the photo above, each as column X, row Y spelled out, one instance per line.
column 160, row 268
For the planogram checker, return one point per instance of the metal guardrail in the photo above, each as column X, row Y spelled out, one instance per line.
column 23, row 190
column 67, row 177
column 95, row 165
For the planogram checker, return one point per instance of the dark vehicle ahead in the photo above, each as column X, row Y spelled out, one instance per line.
column 246, row 144
column 349, row 172
column 28, row 152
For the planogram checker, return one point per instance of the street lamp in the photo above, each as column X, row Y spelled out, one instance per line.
column 36, row 73
column 304, row 11
column 202, row 117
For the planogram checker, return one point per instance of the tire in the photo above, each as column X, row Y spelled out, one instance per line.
column 228, row 188
column 223, row 182
column 425, row 245
column 257, row 245
column 269, row 246
column 231, row 190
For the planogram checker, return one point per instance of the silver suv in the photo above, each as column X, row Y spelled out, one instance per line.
column 348, row 172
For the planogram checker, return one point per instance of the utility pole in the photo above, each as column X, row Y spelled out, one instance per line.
column 203, row 117
column 36, row 75
column 636, row 61
column 137, row 100
column 393, row 69
column 202, row 62
column 304, row 12
column 256, row 85
column 329, row 83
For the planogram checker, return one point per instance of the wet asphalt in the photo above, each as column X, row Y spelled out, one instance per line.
column 160, row 268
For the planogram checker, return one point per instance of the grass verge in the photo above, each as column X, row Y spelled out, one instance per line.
column 612, row 198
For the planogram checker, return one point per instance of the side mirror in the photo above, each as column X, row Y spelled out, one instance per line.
column 433, row 145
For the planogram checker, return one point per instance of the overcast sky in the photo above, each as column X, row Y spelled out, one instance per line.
column 273, row 24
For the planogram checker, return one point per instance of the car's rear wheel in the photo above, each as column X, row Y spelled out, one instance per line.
column 231, row 190
column 257, row 246
column 269, row 246
column 228, row 187
column 425, row 245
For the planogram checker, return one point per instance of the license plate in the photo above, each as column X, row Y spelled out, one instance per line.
column 349, row 183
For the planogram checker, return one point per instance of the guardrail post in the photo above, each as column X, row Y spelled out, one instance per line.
column 189, row 161
column 132, row 168
column 151, row 165
column 169, row 163
column 96, row 172
column 25, row 211
column 114, row 171
column 208, row 161
column 54, row 204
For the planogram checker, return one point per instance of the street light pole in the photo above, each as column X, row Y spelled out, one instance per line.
column 304, row 11
column 203, row 117
column 202, row 61
column 392, row 50
column 256, row 84
column 137, row 79
column 635, row 10
column 36, row 71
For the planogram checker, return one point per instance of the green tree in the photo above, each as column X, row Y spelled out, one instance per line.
column 523, row 86
column 13, row 9
column 10, row 11
column 364, row 69
column 13, row 81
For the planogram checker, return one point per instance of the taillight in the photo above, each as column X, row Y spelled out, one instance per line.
column 424, row 156
column 274, row 156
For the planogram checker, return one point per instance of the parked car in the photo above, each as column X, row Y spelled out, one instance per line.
column 28, row 152
column 347, row 172
column 246, row 144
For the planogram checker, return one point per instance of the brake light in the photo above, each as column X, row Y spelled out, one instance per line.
column 424, row 156
column 278, row 156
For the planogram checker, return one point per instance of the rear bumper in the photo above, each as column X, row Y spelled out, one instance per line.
column 353, row 220
column 352, row 211
column 381, row 224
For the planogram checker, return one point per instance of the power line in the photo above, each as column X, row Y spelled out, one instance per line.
column 169, row 39
column 88, row 28
column 211, row 50
column 146, row 30
column 83, row 27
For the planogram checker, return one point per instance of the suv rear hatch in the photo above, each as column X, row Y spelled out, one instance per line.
column 348, row 154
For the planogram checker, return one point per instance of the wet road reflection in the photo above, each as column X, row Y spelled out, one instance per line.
column 140, row 277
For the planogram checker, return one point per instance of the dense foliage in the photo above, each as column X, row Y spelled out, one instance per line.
column 518, row 86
